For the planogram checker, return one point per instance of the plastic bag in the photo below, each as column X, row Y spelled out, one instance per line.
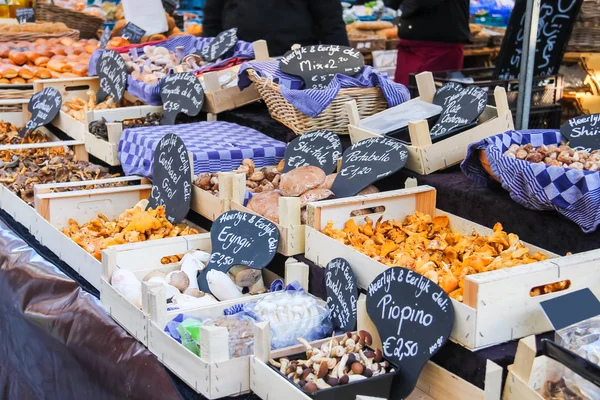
column 560, row 380
column 582, row 338
column 241, row 334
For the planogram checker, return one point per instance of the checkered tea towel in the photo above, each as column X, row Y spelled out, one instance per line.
column 150, row 94
column 571, row 192
column 216, row 146
column 312, row 102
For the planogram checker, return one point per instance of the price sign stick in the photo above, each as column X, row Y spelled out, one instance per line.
column 532, row 19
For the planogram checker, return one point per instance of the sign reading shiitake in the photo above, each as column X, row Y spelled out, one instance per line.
column 44, row 107
column 240, row 238
column 318, row 149
column 583, row 132
column 181, row 94
column 113, row 76
column 414, row 318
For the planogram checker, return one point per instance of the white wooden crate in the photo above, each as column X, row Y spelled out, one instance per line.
column 426, row 157
column 497, row 305
column 209, row 205
column 18, row 118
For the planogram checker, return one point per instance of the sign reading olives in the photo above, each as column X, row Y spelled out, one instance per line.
column 172, row 178
column 583, row 133
column 317, row 65
column 44, row 107
column 113, row 76
column 219, row 46
column 180, row 93
column 320, row 149
column 460, row 110
column 367, row 162
column 342, row 294
column 414, row 318
column 240, row 238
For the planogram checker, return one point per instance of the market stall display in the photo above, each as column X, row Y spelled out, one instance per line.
column 75, row 17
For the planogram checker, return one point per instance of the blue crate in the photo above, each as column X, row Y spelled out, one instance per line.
column 191, row 4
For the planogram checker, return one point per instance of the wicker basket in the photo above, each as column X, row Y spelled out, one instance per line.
column 486, row 165
column 33, row 36
column 86, row 24
column 334, row 118
column 367, row 43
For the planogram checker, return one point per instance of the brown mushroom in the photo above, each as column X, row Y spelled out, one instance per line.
column 301, row 180
column 315, row 195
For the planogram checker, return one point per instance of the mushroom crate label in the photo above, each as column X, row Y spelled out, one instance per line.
column 180, row 93
column 172, row 178
column 367, row 162
column 317, row 65
column 414, row 318
column 44, row 107
column 239, row 238
column 113, row 76
column 461, row 109
column 583, row 133
column 318, row 149
column 219, row 46
column 342, row 294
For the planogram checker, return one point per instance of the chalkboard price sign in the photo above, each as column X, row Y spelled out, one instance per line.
column 240, row 238
column 443, row 94
column 555, row 26
column 172, row 178
column 105, row 38
column 318, row 149
column 367, row 162
column 180, row 93
column 44, row 107
column 220, row 45
column 170, row 6
column 414, row 318
column 25, row 15
column 317, row 65
column 342, row 294
column 460, row 109
column 133, row 33
column 113, row 76
column 583, row 132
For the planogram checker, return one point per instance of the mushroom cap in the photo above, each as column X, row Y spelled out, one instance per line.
column 179, row 279
column 300, row 180
column 369, row 190
column 315, row 195
column 262, row 203
column 328, row 181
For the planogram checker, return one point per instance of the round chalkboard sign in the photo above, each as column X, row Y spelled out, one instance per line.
column 367, row 162
column 342, row 294
column 172, row 178
column 460, row 109
column 180, row 93
column 583, row 132
column 240, row 238
column 443, row 94
column 44, row 107
column 113, row 76
column 317, row 65
column 414, row 318
column 220, row 45
column 318, row 149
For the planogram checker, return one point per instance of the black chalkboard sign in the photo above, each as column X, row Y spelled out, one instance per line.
column 25, row 15
column 105, row 38
column 583, row 132
column 317, row 65
column 172, row 178
column 367, row 162
column 443, row 94
column 318, row 149
column 170, row 6
column 414, row 318
column 556, row 24
column 44, row 107
column 113, row 76
column 240, row 238
column 219, row 46
column 342, row 294
column 460, row 109
column 180, row 93
column 571, row 308
column 133, row 33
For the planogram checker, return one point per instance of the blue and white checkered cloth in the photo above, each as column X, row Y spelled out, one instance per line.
column 571, row 192
column 150, row 94
column 312, row 102
column 216, row 146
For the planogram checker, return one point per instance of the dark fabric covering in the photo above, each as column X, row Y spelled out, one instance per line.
column 416, row 56
column 282, row 23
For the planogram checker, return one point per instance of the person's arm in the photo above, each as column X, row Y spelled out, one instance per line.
column 327, row 15
column 212, row 23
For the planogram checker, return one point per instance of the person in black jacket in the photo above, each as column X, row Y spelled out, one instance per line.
column 282, row 23
column 432, row 35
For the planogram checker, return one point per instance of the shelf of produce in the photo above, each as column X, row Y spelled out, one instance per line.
column 55, row 210
column 497, row 304
column 426, row 157
column 209, row 205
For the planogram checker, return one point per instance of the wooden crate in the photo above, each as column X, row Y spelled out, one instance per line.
column 435, row 383
column 426, row 157
column 212, row 206
column 14, row 111
column 218, row 100
column 497, row 306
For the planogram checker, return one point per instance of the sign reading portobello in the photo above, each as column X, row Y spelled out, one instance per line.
column 414, row 318
column 367, row 162
column 44, row 107
column 342, row 294
column 318, row 149
column 113, row 76
column 317, row 65
column 583, row 132
column 180, row 93
column 240, row 238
